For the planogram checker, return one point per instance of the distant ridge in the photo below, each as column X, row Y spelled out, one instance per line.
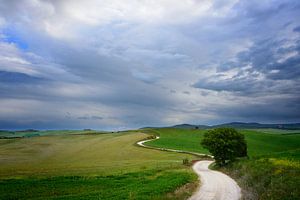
column 254, row 125
column 242, row 125
column 189, row 126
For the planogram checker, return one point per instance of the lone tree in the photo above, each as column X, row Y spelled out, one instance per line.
column 225, row 144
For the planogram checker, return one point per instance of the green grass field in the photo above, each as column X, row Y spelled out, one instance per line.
column 96, row 166
column 277, row 131
column 92, row 165
column 259, row 143
column 180, row 139
column 32, row 133
column 271, row 172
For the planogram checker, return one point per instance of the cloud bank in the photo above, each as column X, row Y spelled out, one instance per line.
column 126, row 64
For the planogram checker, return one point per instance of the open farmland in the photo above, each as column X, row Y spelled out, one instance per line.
column 272, row 170
column 89, row 166
column 259, row 143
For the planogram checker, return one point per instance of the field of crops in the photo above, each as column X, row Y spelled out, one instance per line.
column 96, row 166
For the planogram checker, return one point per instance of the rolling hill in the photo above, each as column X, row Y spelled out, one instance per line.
column 239, row 125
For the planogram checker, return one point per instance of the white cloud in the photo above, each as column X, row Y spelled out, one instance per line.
column 68, row 19
column 164, row 11
column 12, row 59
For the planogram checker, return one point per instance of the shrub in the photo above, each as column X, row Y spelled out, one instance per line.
column 185, row 161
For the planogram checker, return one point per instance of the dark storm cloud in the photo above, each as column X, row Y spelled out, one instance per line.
column 18, row 78
column 79, row 65
column 267, row 56
column 270, row 111
column 270, row 67
column 265, row 67
column 297, row 29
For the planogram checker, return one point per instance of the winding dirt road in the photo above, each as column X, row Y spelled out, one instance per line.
column 214, row 185
column 141, row 143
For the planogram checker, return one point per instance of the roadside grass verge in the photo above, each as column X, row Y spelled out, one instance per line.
column 266, row 178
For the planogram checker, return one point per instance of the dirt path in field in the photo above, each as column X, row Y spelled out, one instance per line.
column 141, row 143
column 214, row 185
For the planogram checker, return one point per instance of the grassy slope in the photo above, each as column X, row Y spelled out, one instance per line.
column 105, row 166
column 258, row 143
column 180, row 139
column 272, row 172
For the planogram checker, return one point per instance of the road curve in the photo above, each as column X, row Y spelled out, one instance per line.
column 214, row 185
column 141, row 143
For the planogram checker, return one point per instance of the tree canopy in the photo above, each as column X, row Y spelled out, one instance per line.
column 225, row 144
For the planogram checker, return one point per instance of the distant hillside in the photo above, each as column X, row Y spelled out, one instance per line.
column 291, row 126
column 180, row 126
column 189, row 126
column 241, row 125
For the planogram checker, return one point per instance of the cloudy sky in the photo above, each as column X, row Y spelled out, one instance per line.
column 116, row 64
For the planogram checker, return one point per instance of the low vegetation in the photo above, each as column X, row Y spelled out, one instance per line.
column 90, row 165
column 148, row 184
column 272, row 170
column 268, row 177
column 259, row 143
column 180, row 139
column 34, row 133
column 95, row 166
